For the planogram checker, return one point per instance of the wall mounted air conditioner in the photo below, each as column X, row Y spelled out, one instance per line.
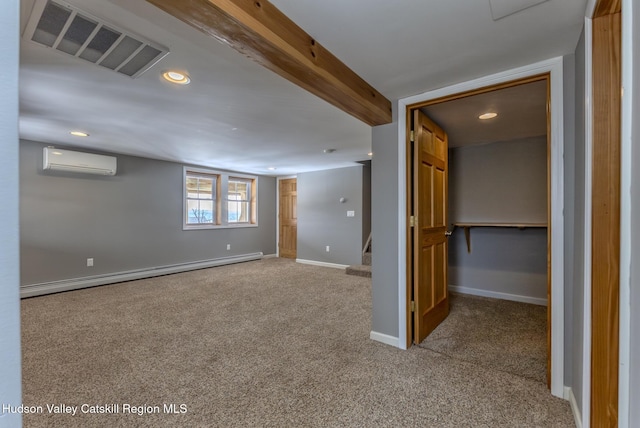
column 67, row 160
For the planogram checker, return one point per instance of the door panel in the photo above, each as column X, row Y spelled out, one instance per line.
column 430, row 214
column 288, row 234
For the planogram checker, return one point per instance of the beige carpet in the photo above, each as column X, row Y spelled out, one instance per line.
column 497, row 334
column 267, row 343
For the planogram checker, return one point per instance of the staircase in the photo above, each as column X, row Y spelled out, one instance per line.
column 365, row 268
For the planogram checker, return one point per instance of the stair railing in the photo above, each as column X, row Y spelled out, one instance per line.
column 367, row 245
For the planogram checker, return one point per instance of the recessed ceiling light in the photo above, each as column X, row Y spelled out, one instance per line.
column 488, row 115
column 370, row 153
column 329, row 150
column 272, row 168
column 176, row 77
column 78, row 133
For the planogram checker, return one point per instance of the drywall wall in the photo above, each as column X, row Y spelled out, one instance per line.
column 127, row 222
column 569, row 87
column 501, row 182
column 10, row 364
column 504, row 263
column 384, row 226
column 322, row 218
column 576, row 186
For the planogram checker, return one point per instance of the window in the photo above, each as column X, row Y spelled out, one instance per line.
column 239, row 200
column 215, row 199
column 200, row 201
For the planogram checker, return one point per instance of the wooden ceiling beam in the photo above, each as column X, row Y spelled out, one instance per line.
column 258, row 30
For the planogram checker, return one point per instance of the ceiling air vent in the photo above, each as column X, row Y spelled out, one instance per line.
column 60, row 26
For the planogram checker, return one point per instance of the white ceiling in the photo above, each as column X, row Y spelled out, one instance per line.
column 237, row 115
column 522, row 113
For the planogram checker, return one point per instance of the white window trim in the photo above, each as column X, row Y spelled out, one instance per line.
column 221, row 198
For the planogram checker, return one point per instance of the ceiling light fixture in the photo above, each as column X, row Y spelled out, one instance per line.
column 272, row 168
column 328, row 151
column 78, row 133
column 370, row 154
column 176, row 77
column 486, row 116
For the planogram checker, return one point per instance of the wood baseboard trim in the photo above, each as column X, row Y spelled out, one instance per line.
column 39, row 289
column 384, row 338
column 498, row 295
column 324, row 264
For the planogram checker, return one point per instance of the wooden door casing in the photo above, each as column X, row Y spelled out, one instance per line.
column 288, row 218
column 430, row 293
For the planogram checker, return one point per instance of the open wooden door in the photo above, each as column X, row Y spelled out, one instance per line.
column 288, row 233
column 430, row 295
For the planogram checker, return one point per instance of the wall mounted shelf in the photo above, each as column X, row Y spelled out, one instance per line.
column 467, row 228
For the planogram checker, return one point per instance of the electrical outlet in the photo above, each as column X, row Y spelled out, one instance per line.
column 90, row 262
column 351, row 213
column 228, row 247
column 327, row 248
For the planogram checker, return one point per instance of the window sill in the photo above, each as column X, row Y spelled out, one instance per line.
column 220, row 226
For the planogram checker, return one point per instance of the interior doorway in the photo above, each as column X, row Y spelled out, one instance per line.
column 522, row 131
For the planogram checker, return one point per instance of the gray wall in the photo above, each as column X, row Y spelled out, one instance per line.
column 574, row 228
column 504, row 182
column 127, row 222
column 634, row 419
column 384, row 225
column 10, row 368
column 322, row 218
column 502, row 260
column 569, row 87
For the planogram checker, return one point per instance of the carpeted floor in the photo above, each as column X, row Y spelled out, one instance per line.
column 267, row 343
column 498, row 334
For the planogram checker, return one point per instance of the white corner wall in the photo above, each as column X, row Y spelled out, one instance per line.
column 10, row 371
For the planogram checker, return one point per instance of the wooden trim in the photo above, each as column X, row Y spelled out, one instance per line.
column 607, row 7
column 504, row 85
column 605, row 245
column 258, row 30
column 409, row 231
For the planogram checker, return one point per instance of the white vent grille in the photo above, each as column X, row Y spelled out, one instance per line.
column 60, row 26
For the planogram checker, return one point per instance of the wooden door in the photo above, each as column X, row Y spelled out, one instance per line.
column 430, row 295
column 288, row 233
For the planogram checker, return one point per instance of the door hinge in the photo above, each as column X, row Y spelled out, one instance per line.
column 411, row 136
column 412, row 221
column 413, row 306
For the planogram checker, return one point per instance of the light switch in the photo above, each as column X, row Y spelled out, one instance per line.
column 351, row 213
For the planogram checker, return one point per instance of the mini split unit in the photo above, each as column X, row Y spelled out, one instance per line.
column 88, row 163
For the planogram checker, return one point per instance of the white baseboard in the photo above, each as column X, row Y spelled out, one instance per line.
column 498, row 295
column 325, row 264
column 270, row 256
column 577, row 416
column 32, row 290
column 384, row 338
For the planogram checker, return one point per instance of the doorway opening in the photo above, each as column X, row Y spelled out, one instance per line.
column 527, row 142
